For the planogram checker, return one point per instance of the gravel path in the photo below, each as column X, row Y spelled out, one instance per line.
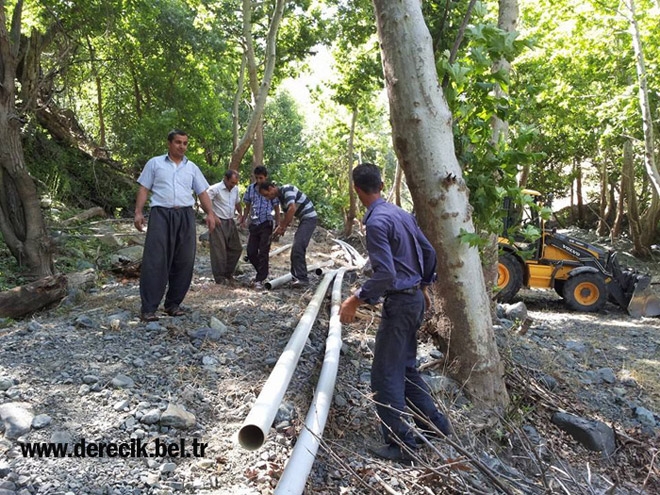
column 91, row 370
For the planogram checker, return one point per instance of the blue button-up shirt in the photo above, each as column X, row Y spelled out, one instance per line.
column 261, row 209
column 171, row 185
column 400, row 255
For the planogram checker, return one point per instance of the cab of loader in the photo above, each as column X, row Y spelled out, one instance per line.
column 586, row 276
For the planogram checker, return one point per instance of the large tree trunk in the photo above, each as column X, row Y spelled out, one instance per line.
column 423, row 141
column 628, row 190
column 352, row 202
column 649, row 219
column 261, row 94
column 21, row 221
column 603, row 225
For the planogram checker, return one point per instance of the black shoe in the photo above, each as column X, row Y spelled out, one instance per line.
column 148, row 317
column 175, row 311
column 392, row 452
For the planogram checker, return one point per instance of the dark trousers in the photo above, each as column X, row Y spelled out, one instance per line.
column 225, row 249
column 299, row 249
column 169, row 257
column 258, row 248
column 395, row 380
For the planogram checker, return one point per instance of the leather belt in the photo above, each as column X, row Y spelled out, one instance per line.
column 410, row 291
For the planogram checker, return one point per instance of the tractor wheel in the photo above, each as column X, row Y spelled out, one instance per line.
column 585, row 292
column 509, row 277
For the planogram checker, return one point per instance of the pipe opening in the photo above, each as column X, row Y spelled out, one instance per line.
column 251, row 437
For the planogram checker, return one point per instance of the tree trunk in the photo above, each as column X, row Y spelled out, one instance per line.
column 603, row 226
column 578, row 193
column 628, row 189
column 21, row 221
column 27, row 299
column 423, row 141
column 644, row 103
column 649, row 219
column 621, row 202
column 262, row 94
column 352, row 203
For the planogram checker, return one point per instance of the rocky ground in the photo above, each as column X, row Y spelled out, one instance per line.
column 89, row 369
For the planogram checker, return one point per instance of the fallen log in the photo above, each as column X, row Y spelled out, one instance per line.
column 96, row 211
column 26, row 299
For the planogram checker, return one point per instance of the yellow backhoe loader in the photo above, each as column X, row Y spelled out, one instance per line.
column 584, row 275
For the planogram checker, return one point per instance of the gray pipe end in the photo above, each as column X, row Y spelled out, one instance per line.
column 251, row 437
column 268, row 285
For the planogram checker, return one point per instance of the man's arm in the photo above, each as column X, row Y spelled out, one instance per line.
column 288, row 218
column 207, row 206
column 140, row 200
column 277, row 215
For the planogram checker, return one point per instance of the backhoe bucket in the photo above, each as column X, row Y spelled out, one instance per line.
column 644, row 302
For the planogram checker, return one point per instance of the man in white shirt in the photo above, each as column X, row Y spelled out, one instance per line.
column 225, row 243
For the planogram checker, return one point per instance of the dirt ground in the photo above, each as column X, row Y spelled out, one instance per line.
column 213, row 362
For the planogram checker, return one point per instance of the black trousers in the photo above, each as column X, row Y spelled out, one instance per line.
column 169, row 257
column 395, row 380
column 258, row 248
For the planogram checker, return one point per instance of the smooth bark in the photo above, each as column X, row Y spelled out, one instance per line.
column 423, row 141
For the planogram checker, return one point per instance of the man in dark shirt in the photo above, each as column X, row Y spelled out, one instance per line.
column 404, row 264
column 295, row 204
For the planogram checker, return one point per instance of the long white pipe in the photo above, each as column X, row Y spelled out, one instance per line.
column 253, row 433
column 302, row 458
column 279, row 281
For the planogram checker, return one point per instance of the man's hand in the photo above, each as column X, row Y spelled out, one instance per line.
column 348, row 309
column 211, row 221
column 427, row 298
column 279, row 231
column 139, row 221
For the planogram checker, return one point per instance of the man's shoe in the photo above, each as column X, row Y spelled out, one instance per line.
column 175, row 311
column 148, row 317
column 258, row 286
column 392, row 452
column 299, row 284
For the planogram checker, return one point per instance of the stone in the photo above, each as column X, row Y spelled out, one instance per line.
column 16, row 418
column 122, row 381
column 177, row 417
column 41, row 421
column 593, row 435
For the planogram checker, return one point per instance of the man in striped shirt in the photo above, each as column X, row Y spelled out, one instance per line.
column 295, row 204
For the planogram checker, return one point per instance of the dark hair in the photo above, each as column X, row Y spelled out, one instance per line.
column 266, row 185
column 366, row 176
column 260, row 170
column 175, row 132
column 229, row 173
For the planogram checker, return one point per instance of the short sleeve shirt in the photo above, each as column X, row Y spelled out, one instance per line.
column 171, row 185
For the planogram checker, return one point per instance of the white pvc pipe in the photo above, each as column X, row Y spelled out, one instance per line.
column 253, row 433
column 279, row 281
column 300, row 463
column 279, row 250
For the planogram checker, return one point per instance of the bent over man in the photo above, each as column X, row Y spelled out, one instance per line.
column 295, row 204
column 171, row 242
column 404, row 264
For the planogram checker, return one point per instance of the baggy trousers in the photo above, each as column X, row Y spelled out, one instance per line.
column 169, row 257
column 395, row 379
column 225, row 249
column 258, row 248
column 299, row 249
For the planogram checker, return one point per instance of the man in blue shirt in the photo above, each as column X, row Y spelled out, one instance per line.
column 404, row 264
column 171, row 242
column 259, row 213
